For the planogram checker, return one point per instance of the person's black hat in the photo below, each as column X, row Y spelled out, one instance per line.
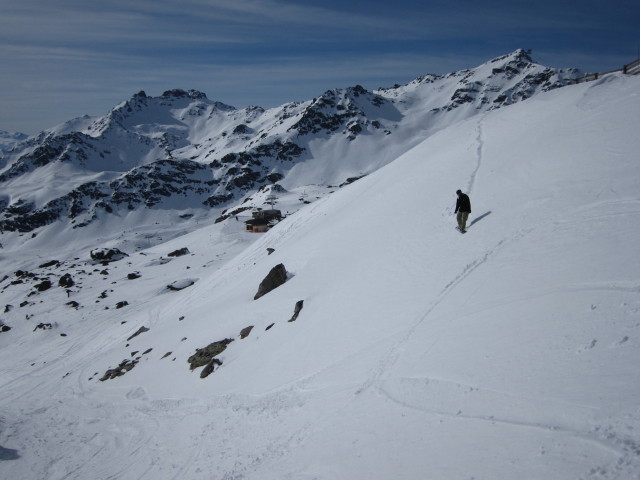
column 458, row 191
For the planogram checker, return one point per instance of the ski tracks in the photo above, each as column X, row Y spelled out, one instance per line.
column 395, row 350
column 479, row 153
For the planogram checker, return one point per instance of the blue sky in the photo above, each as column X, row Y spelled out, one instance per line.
column 61, row 59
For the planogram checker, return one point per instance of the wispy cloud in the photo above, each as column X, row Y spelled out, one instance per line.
column 268, row 51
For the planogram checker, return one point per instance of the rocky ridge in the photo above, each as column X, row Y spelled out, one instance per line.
column 182, row 151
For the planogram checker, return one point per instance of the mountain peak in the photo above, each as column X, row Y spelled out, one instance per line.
column 179, row 93
column 520, row 55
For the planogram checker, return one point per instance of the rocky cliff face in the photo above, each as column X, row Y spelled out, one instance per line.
column 183, row 151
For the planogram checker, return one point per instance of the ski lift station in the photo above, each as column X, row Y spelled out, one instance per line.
column 262, row 219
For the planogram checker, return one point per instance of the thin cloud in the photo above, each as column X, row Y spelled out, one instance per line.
column 268, row 52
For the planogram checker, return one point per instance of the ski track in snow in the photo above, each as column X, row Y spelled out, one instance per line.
column 479, row 152
column 625, row 450
column 394, row 351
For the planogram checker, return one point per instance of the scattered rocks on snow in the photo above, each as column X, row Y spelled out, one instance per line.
column 106, row 255
column 122, row 304
column 134, row 275
column 125, row 366
column 73, row 304
column 206, row 356
column 276, row 277
column 43, row 326
column 4, row 328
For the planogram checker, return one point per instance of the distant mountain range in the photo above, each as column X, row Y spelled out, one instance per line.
column 183, row 152
column 9, row 139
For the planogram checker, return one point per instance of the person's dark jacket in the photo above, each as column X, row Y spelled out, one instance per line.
column 463, row 204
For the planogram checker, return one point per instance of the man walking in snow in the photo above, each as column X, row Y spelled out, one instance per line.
column 463, row 209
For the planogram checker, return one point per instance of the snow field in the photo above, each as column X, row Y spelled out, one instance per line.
column 508, row 352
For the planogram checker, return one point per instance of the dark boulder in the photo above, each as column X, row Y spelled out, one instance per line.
column 43, row 326
column 107, row 255
column 140, row 330
column 178, row 253
column 276, row 277
column 244, row 333
column 206, row 356
column 210, row 367
column 66, row 281
column 42, row 286
column 52, row 263
column 296, row 310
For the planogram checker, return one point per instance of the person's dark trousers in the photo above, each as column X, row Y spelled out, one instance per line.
column 462, row 220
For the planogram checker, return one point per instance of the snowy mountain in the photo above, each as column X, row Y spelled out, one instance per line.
column 395, row 348
column 9, row 139
column 183, row 154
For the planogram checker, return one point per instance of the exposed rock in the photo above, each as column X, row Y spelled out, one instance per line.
column 106, row 255
column 122, row 304
column 52, row 263
column 43, row 326
column 206, row 371
column 181, row 284
column 244, row 333
column 270, row 251
column 66, row 281
column 4, row 328
column 42, row 286
column 296, row 310
column 204, row 356
column 140, row 330
column 73, row 304
column 24, row 274
column 180, row 252
column 120, row 370
column 133, row 276
column 276, row 277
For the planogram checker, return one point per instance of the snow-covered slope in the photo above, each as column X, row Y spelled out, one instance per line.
column 507, row 352
column 155, row 159
column 9, row 139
